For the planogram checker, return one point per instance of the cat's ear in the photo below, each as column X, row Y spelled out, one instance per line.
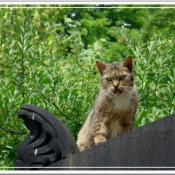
column 101, row 66
column 128, row 63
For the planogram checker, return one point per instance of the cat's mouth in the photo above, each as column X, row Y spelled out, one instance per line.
column 117, row 91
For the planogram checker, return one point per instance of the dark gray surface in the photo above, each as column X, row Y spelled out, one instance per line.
column 48, row 141
column 149, row 147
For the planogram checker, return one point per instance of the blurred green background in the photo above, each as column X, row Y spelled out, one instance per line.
column 48, row 53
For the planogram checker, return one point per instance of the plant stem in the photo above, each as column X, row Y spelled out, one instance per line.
column 12, row 131
column 54, row 104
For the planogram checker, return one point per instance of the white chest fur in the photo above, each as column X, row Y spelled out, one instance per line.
column 122, row 101
column 115, row 129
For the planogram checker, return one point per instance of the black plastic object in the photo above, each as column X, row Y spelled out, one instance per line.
column 49, row 140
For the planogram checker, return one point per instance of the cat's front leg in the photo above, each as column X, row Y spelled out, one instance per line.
column 127, row 124
column 100, row 133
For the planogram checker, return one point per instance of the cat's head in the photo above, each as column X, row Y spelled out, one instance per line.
column 116, row 77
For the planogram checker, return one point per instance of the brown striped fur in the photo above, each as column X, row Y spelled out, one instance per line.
column 115, row 107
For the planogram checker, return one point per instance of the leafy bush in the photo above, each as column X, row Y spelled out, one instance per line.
column 47, row 58
column 154, row 70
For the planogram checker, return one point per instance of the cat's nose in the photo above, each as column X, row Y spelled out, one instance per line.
column 116, row 87
column 115, row 84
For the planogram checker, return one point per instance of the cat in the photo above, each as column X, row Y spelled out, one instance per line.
column 115, row 107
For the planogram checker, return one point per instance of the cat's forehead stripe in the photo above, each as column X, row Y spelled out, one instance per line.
column 117, row 67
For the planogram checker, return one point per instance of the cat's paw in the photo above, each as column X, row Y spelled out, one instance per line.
column 99, row 139
column 84, row 144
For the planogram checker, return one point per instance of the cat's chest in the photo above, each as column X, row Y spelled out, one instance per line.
column 114, row 128
column 120, row 102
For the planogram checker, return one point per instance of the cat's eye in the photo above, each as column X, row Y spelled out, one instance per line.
column 108, row 79
column 122, row 77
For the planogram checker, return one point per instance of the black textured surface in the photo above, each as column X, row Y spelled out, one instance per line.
column 149, row 147
column 48, row 141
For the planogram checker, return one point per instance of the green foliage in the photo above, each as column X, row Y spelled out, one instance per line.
column 47, row 58
column 154, row 70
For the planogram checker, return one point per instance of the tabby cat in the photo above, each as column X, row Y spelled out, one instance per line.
column 115, row 107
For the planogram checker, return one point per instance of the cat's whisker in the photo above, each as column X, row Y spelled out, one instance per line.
column 129, row 83
column 126, row 90
column 126, row 86
column 107, row 92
